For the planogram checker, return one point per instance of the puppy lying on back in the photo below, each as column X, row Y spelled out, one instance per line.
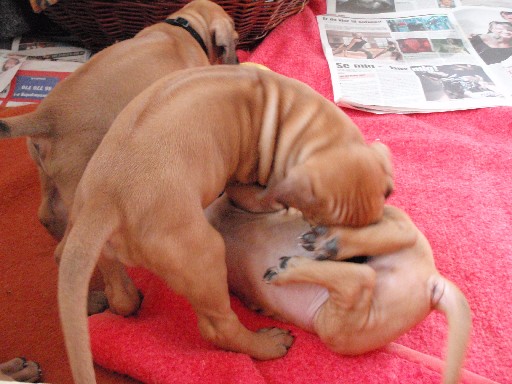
column 353, row 307
column 170, row 153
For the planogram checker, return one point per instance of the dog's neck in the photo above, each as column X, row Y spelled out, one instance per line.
column 185, row 24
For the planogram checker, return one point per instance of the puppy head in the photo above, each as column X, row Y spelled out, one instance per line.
column 224, row 40
column 341, row 186
column 220, row 35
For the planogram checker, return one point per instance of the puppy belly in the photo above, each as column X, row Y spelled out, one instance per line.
column 255, row 242
column 294, row 303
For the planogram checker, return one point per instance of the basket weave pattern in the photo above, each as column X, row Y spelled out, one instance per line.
column 99, row 24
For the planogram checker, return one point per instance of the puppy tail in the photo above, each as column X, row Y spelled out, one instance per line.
column 447, row 298
column 82, row 249
column 29, row 124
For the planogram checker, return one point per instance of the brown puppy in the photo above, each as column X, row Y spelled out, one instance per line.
column 170, row 153
column 354, row 308
column 68, row 125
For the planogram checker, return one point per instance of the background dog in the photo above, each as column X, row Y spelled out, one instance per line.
column 69, row 124
column 169, row 154
column 354, row 307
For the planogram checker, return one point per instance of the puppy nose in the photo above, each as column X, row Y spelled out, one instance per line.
column 388, row 193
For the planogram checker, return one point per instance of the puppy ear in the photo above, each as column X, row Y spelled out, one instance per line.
column 384, row 151
column 386, row 160
column 224, row 38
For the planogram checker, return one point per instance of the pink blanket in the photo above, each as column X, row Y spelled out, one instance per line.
column 453, row 176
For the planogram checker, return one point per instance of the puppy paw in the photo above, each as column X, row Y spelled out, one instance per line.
column 280, row 273
column 127, row 303
column 19, row 369
column 322, row 241
column 276, row 343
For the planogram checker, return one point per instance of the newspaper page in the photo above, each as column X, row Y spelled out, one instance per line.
column 31, row 67
column 421, row 61
column 50, row 49
column 386, row 6
column 34, row 80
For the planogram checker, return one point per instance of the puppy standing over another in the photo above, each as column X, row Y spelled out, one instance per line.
column 353, row 307
column 170, row 153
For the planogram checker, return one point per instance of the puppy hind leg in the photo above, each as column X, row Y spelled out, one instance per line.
column 197, row 270
column 122, row 295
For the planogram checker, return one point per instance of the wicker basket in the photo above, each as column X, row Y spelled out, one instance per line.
column 99, row 24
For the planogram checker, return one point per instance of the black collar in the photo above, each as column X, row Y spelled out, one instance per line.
column 185, row 24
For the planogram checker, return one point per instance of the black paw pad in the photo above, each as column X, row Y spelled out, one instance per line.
column 283, row 261
column 307, row 241
column 329, row 250
column 269, row 274
column 319, row 230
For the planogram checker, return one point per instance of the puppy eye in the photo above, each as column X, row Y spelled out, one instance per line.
column 388, row 192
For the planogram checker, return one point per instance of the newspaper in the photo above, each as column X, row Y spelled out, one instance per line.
column 31, row 67
column 50, row 49
column 34, row 80
column 449, row 57
column 10, row 62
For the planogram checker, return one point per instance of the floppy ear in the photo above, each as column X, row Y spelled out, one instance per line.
column 384, row 151
column 224, row 39
column 385, row 155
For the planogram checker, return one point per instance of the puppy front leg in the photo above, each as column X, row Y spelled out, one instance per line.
column 394, row 232
column 347, row 309
column 346, row 282
column 192, row 261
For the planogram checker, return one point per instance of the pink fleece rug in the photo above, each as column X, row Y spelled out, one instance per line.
column 453, row 176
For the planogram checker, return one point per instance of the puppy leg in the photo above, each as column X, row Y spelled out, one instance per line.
column 122, row 295
column 395, row 231
column 19, row 369
column 192, row 261
column 350, row 289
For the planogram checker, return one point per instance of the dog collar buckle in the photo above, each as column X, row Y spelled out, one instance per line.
column 182, row 22
column 185, row 24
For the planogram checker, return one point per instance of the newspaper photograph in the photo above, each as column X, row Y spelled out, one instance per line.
column 10, row 62
column 422, row 61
